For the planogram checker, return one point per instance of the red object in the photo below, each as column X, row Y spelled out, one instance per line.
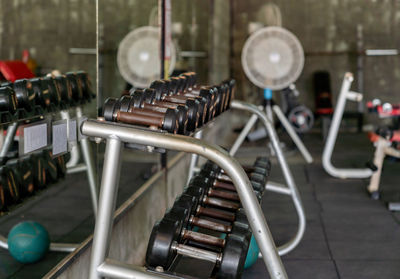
column 13, row 70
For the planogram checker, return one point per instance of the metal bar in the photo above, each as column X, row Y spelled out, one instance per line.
column 77, row 168
column 196, row 253
column 74, row 153
column 293, row 135
column 56, row 247
column 114, row 269
column 243, row 134
column 11, row 130
column 278, row 188
column 81, row 50
column 292, row 243
column 105, row 213
column 381, row 52
column 333, row 132
column 191, row 145
column 90, row 166
column 194, row 158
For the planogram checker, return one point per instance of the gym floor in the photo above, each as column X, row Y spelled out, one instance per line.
column 348, row 235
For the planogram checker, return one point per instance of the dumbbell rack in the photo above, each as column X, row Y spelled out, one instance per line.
column 116, row 136
column 291, row 188
column 89, row 167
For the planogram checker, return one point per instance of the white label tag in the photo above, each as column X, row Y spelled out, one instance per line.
column 60, row 137
column 35, row 137
column 72, row 130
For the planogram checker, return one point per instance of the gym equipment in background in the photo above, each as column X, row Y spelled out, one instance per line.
column 272, row 59
column 323, row 100
column 300, row 117
column 386, row 141
column 138, row 56
column 28, row 242
column 344, row 95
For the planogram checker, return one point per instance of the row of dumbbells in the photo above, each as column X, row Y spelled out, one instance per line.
column 207, row 222
column 44, row 94
column 21, row 178
column 176, row 105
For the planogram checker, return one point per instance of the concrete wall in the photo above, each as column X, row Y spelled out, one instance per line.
column 325, row 26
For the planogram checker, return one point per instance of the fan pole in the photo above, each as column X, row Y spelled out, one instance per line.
column 164, row 8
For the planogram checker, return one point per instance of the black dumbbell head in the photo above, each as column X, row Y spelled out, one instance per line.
column 110, row 109
column 149, row 95
column 170, row 123
column 84, row 81
column 41, row 92
column 159, row 87
column 137, row 98
column 233, row 258
column 159, row 250
column 174, row 85
column 125, row 103
column 64, row 89
column 11, row 185
column 76, row 89
column 24, row 94
column 54, row 94
column 183, row 114
column 8, row 102
column 187, row 201
column 193, row 114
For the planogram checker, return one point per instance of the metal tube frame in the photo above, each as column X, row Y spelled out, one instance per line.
column 291, row 188
column 116, row 134
column 343, row 173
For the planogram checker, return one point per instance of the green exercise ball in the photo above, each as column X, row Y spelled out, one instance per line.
column 28, row 242
column 252, row 253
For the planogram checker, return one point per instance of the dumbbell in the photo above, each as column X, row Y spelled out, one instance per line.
column 199, row 239
column 54, row 93
column 201, row 194
column 83, row 79
column 23, row 175
column 164, row 246
column 3, row 204
column 183, row 211
column 206, row 92
column 143, row 100
column 260, row 170
column 198, row 209
column 50, row 166
column 39, row 170
column 258, row 180
column 212, row 100
column 61, row 166
column 231, row 84
column 76, row 88
column 213, row 188
column 23, row 93
column 8, row 101
column 64, row 88
column 167, row 121
column 164, row 93
column 43, row 93
column 11, row 186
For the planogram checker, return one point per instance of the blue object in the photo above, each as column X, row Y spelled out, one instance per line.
column 252, row 253
column 267, row 94
column 28, row 242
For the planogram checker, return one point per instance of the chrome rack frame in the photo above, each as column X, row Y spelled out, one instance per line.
column 88, row 166
column 343, row 173
column 116, row 135
column 291, row 188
